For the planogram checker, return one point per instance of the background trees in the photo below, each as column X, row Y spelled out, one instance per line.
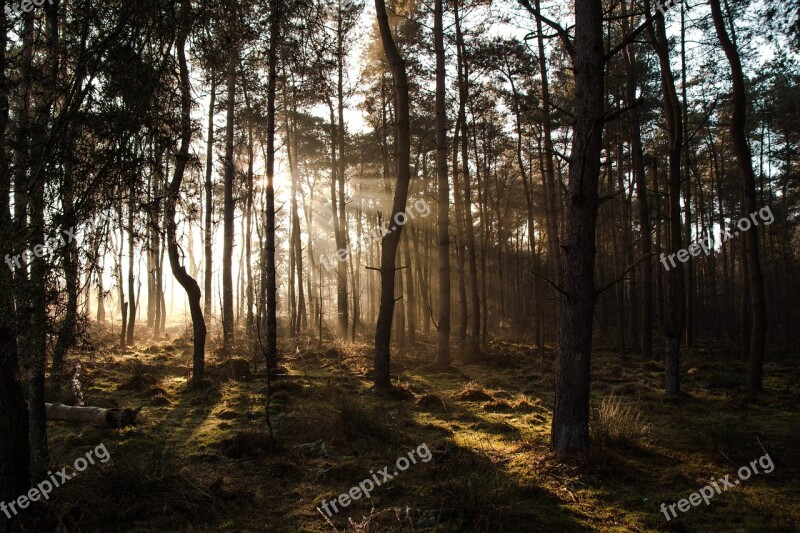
column 538, row 174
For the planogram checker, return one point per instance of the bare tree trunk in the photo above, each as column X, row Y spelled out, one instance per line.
column 755, row 374
column 553, row 240
column 14, row 445
column 674, row 318
column 187, row 282
column 36, row 339
column 640, row 177
column 570, row 429
column 209, row 189
column 383, row 329
column 248, row 262
column 131, row 261
column 228, row 210
column 270, row 281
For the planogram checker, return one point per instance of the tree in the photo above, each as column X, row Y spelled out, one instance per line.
column 181, row 159
column 389, row 242
column 738, row 129
column 570, row 428
column 443, row 187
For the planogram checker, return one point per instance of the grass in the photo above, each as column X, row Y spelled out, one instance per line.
column 487, row 426
column 617, row 422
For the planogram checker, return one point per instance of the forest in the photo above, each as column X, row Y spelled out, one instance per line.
column 399, row 265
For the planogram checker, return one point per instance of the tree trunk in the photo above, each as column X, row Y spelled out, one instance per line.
column 228, row 209
column 553, row 240
column 443, row 191
column 745, row 163
column 570, row 429
column 270, row 281
column 14, row 445
column 131, row 257
column 179, row 271
column 640, row 178
column 209, row 190
column 383, row 329
column 674, row 317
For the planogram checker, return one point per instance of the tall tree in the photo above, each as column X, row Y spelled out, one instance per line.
column 181, row 159
column 738, row 129
column 14, row 447
column 390, row 241
column 443, row 186
column 229, row 205
column 570, row 428
column 270, row 279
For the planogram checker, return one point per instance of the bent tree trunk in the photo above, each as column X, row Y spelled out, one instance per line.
column 744, row 160
column 187, row 282
column 383, row 329
column 570, row 429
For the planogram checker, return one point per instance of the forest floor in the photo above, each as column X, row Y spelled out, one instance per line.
column 201, row 459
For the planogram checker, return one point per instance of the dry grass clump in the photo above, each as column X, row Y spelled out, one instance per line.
column 520, row 404
column 473, row 392
column 431, row 402
column 617, row 423
column 235, row 368
column 141, row 378
column 356, row 419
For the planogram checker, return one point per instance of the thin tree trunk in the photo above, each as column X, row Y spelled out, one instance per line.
column 745, row 163
column 443, row 192
column 209, row 190
column 187, row 282
column 553, row 240
column 640, row 178
column 674, row 317
column 270, row 281
column 383, row 329
column 229, row 207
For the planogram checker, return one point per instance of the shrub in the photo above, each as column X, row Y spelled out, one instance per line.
column 617, row 423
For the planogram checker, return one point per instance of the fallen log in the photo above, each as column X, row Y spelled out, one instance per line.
column 96, row 416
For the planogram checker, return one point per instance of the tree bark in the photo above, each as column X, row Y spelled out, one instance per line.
column 443, row 191
column 570, row 429
column 640, row 178
column 209, row 190
column 675, row 312
column 744, row 160
column 270, row 281
column 228, row 208
column 14, row 445
column 179, row 271
column 383, row 329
